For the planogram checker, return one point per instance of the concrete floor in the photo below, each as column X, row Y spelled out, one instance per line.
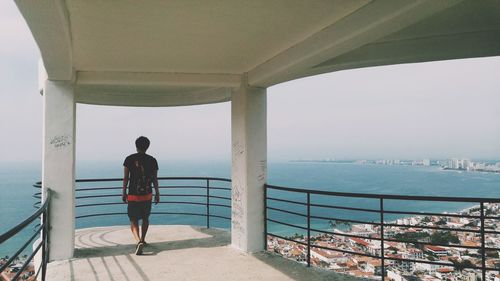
column 174, row 253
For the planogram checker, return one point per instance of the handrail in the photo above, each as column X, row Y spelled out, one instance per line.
column 380, row 223
column 204, row 198
column 42, row 211
column 387, row 196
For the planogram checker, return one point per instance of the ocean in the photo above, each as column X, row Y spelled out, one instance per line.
column 16, row 191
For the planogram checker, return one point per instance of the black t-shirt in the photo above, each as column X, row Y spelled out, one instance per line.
column 141, row 167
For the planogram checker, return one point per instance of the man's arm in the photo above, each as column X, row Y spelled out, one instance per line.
column 157, row 189
column 125, row 183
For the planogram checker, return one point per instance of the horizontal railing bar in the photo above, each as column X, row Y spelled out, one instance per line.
column 162, row 195
column 433, row 262
column 344, row 220
column 345, row 251
column 27, row 262
column 433, row 244
column 288, row 239
column 98, row 188
column 287, row 224
column 491, row 232
column 286, row 211
column 163, row 202
column 345, row 235
column 392, row 258
column 219, row 188
column 195, row 178
column 430, row 214
column 182, row 187
column 98, row 196
column 161, row 187
column 386, row 196
column 98, row 215
column 16, row 229
column 396, row 240
column 491, row 218
column 219, row 197
column 183, row 195
column 159, row 178
column 152, row 213
column 99, row 204
column 219, row 205
column 183, row 202
column 20, row 250
column 433, row 227
column 345, row 208
column 180, row 213
column 286, row 201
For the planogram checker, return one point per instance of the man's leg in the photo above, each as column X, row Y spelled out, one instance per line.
column 145, row 220
column 144, row 229
column 134, row 226
column 134, row 221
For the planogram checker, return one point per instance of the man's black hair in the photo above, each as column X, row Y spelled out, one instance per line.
column 142, row 143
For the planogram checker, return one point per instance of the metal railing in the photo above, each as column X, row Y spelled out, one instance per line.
column 207, row 185
column 42, row 229
column 307, row 203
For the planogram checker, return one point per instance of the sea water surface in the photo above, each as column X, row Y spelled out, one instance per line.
column 16, row 192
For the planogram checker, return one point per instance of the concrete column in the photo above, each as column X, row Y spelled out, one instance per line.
column 58, row 169
column 249, row 167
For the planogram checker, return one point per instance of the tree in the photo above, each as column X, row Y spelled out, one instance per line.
column 442, row 221
column 426, row 219
column 461, row 265
column 339, row 223
column 444, row 237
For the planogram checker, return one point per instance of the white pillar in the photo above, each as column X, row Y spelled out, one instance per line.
column 249, row 167
column 58, row 169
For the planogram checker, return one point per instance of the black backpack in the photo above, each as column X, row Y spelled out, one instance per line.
column 143, row 186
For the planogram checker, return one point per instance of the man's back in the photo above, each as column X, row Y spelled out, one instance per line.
column 142, row 168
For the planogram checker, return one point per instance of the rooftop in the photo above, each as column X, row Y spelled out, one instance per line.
column 174, row 253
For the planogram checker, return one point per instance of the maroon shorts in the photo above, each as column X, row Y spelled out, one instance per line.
column 139, row 210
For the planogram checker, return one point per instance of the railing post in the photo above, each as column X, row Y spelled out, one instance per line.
column 265, row 217
column 382, row 254
column 45, row 245
column 308, row 229
column 45, row 236
column 483, row 243
column 208, row 203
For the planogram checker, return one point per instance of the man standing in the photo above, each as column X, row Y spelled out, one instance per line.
column 140, row 174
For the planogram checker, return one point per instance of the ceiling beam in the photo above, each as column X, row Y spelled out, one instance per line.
column 195, row 97
column 368, row 24
column 157, row 79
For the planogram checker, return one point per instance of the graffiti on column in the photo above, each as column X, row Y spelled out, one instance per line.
column 237, row 210
column 60, row 142
column 262, row 171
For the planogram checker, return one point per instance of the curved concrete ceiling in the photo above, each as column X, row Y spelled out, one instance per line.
column 157, row 53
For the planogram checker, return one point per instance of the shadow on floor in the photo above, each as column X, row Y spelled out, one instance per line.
column 109, row 260
column 217, row 238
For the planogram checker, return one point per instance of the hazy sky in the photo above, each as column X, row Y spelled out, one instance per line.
column 436, row 110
